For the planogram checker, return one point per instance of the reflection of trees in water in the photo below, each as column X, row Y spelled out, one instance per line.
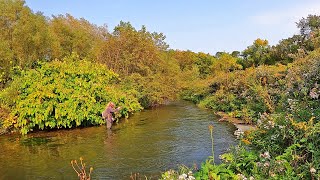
column 147, row 142
column 39, row 146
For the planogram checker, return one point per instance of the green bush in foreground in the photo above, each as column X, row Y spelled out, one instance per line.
column 63, row 95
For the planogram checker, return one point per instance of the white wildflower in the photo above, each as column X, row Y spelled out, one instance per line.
column 265, row 155
column 241, row 176
column 271, row 124
column 183, row 177
column 313, row 93
column 313, row 170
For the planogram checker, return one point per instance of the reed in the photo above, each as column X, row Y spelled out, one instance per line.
column 81, row 171
column 212, row 145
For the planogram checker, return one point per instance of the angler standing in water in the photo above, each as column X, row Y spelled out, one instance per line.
column 107, row 114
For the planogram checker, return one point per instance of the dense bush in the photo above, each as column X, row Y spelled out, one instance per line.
column 302, row 88
column 63, row 95
column 197, row 92
column 246, row 93
column 284, row 100
column 291, row 147
column 281, row 148
column 251, row 92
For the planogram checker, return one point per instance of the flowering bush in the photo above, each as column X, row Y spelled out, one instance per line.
column 291, row 146
column 284, row 103
column 246, row 94
column 302, row 88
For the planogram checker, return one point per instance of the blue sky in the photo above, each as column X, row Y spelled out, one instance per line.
column 198, row 25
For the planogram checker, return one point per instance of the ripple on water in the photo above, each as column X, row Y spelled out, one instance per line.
column 148, row 143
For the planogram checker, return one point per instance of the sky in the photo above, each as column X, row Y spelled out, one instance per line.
column 205, row 26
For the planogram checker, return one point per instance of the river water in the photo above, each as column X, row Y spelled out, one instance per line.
column 148, row 143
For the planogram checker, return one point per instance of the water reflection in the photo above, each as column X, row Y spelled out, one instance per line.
column 148, row 142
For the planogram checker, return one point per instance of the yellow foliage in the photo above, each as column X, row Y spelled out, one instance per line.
column 261, row 42
column 246, row 141
column 305, row 126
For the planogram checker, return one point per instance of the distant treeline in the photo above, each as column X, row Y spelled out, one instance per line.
column 28, row 37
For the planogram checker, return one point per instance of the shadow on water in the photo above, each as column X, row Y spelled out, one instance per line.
column 149, row 142
column 35, row 141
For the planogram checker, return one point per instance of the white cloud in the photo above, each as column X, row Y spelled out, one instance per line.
column 280, row 23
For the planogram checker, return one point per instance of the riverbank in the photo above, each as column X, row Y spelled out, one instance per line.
column 3, row 131
column 172, row 131
column 238, row 123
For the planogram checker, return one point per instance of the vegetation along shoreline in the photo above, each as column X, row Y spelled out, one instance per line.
column 61, row 71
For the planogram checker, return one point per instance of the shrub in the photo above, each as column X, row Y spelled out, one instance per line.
column 292, row 146
column 64, row 94
column 302, row 88
column 244, row 93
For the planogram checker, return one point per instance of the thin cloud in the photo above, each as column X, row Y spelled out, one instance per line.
column 287, row 16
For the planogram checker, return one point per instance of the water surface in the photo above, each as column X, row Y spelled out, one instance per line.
column 149, row 142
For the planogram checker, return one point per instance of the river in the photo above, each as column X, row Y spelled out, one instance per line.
column 149, row 142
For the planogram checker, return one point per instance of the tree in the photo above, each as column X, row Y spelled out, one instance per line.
column 235, row 54
column 185, row 59
column 309, row 30
column 204, row 63
column 75, row 35
column 218, row 54
column 24, row 37
column 308, row 25
column 257, row 54
column 225, row 63
column 128, row 50
column 287, row 49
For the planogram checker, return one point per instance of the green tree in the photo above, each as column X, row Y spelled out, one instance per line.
column 204, row 63
column 236, row 54
column 308, row 25
column 287, row 49
column 128, row 50
column 257, row 54
column 185, row 59
column 24, row 37
column 75, row 35
column 225, row 63
column 309, row 30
